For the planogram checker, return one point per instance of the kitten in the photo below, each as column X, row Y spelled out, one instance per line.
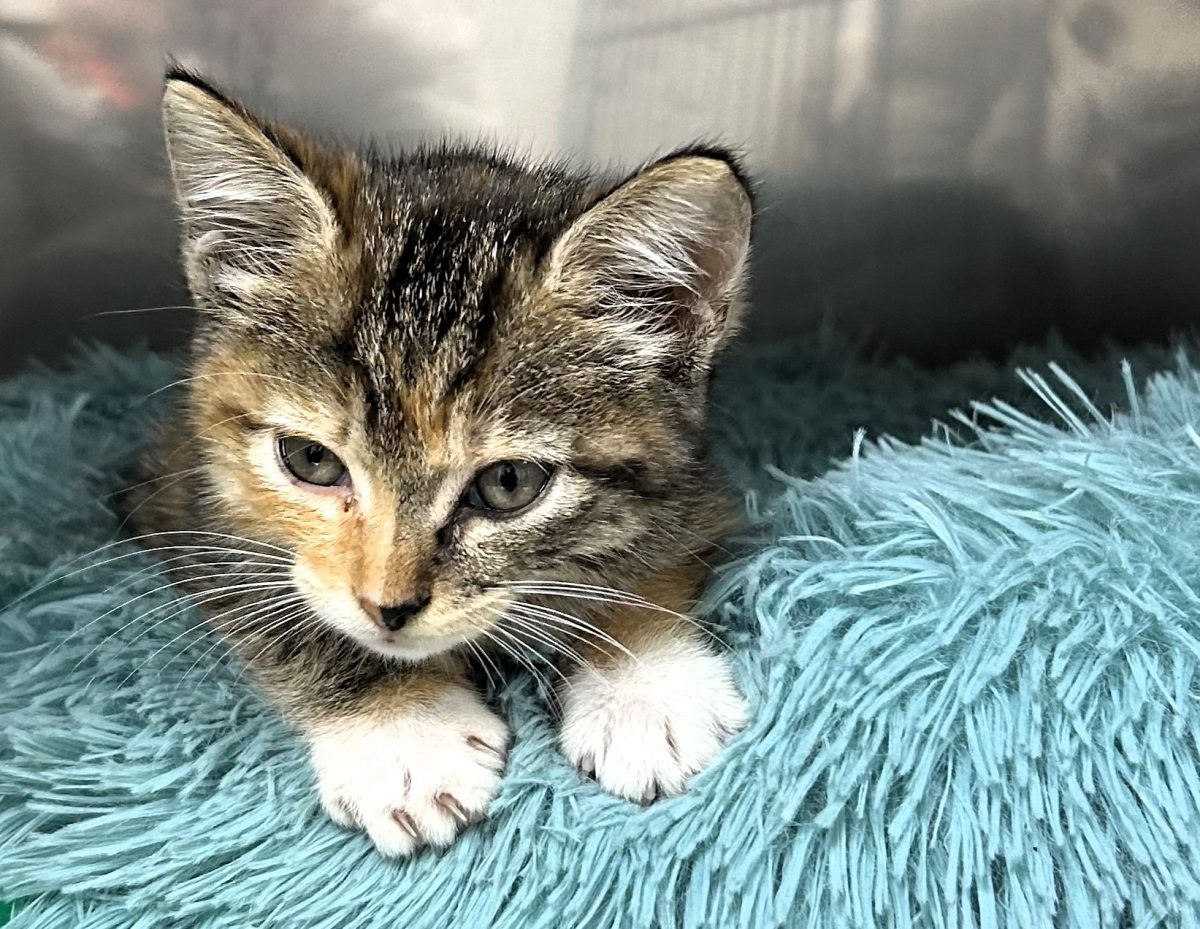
column 441, row 403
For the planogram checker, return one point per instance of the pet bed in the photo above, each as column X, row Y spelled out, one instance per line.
column 971, row 651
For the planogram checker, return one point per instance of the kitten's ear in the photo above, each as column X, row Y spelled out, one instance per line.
column 250, row 214
column 661, row 258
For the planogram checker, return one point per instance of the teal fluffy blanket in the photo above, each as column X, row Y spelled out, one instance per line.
column 972, row 652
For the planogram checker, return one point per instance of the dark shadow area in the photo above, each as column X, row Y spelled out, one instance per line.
column 1137, row 276
column 930, row 270
column 939, row 272
column 113, row 278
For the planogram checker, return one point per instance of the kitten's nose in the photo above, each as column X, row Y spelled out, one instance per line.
column 394, row 617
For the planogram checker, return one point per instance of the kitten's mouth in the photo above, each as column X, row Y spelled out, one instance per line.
column 408, row 646
column 415, row 643
column 456, row 625
column 447, row 623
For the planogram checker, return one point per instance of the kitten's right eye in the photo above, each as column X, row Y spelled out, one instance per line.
column 311, row 462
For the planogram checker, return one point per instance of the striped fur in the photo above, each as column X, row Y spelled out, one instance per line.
column 425, row 315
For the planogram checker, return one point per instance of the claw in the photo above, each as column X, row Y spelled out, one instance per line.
column 475, row 742
column 405, row 822
column 454, row 808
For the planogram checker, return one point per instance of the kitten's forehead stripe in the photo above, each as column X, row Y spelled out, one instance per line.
column 446, row 240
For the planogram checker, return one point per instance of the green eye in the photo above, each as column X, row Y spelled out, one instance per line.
column 507, row 486
column 311, row 462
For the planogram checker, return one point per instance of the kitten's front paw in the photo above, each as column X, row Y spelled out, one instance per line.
column 414, row 777
column 643, row 728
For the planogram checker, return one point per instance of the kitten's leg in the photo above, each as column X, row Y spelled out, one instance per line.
column 411, row 761
column 645, row 721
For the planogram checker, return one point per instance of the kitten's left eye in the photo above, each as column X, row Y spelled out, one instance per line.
column 311, row 462
column 507, row 486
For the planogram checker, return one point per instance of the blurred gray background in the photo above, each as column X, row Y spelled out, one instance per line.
column 939, row 177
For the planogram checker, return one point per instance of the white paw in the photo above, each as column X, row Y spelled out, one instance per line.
column 643, row 728
column 413, row 778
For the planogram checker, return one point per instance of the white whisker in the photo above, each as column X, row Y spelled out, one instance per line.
column 484, row 662
column 256, row 609
column 187, row 600
column 312, row 619
column 573, row 624
column 219, row 623
column 140, row 309
column 609, row 595
column 153, row 480
column 540, row 633
column 125, row 582
column 286, row 555
column 493, row 635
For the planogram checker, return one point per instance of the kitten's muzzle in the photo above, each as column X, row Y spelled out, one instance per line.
column 395, row 617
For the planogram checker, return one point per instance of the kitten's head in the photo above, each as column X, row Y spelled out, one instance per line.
column 439, row 377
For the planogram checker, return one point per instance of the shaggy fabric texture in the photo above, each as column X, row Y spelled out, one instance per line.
column 972, row 660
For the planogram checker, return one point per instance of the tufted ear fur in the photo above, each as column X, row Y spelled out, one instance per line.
column 659, row 261
column 251, row 216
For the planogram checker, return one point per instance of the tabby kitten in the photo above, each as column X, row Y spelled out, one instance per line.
column 441, row 403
